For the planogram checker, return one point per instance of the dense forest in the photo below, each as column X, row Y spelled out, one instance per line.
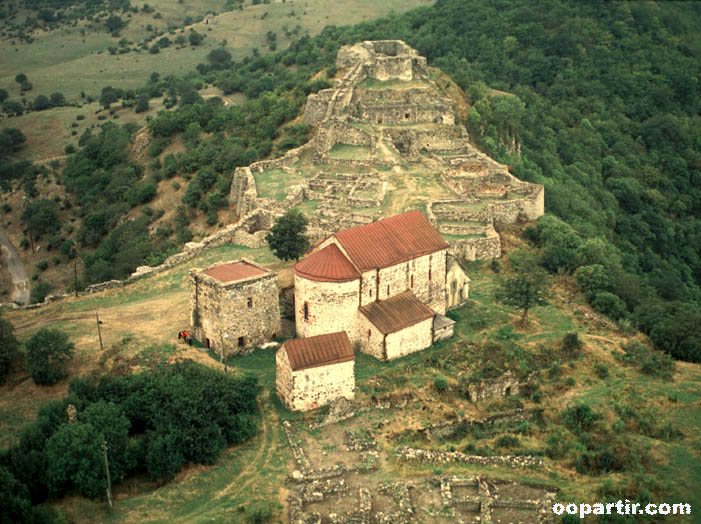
column 598, row 101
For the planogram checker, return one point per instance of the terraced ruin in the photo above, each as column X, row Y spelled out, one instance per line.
column 387, row 141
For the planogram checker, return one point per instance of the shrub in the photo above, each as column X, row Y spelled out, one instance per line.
column 39, row 290
column 571, row 344
column 507, row 441
column 441, row 384
column 608, row 304
column 47, row 351
column 579, row 417
column 8, row 347
column 259, row 512
column 601, row 370
column 42, row 265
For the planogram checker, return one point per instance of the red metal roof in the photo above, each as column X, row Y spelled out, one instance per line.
column 327, row 265
column 397, row 312
column 321, row 350
column 234, row 272
column 391, row 240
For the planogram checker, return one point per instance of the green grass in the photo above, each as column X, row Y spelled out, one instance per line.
column 274, row 183
column 349, row 152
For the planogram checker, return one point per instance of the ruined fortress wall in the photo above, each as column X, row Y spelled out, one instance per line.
column 316, row 105
column 409, row 340
column 332, row 307
column 451, row 210
column 225, row 315
column 370, row 339
column 532, row 206
column 477, row 248
column 243, row 193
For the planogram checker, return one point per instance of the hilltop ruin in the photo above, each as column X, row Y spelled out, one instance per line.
column 386, row 140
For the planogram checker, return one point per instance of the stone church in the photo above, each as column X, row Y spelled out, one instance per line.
column 383, row 283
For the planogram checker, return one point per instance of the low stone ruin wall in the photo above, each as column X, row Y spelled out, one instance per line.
column 472, row 249
column 445, row 457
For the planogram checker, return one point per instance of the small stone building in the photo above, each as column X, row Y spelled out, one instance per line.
column 234, row 306
column 312, row 372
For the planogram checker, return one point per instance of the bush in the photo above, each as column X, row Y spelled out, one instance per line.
column 441, row 384
column 8, row 347
column 609, row 305
column 47, row 351
column 507, row 441
column 39, row 291
column 42, row 265
column 601, row 370
column 259, row 512
column 571, row 344
column 579, row 417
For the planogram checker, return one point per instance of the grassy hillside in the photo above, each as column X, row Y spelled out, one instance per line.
column 652, row 423
column 75, row 59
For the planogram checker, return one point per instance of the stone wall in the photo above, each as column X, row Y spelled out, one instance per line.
column 371, row 341
column 232, row 317
column 314, row 387
column 410, row 340
column 430, row 291
column 331, row 306
column 503, row 386
column 477, row 248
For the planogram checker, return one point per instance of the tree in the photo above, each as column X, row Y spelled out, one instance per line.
column 526, row 287
column 13, row 108
column 195, row 38
column 41, row 102
column 141, row 104
column 41, row 216
column 3, row 95
column 57, row 99
column 74, row 460
column 11, row 140
column 219, row 58
column 114, row 23
column 8, row 347
column 21, row 79
column 47, row 351
column 286, row 238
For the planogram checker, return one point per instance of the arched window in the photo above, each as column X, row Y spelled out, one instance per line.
column 429, row 273
column 412, row 281
column 306, row 311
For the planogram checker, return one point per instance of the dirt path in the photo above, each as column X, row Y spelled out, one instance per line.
column 258, row 462
column 20, row 282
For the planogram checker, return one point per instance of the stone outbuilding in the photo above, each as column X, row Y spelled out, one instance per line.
column 312, row 372
column 234, row 306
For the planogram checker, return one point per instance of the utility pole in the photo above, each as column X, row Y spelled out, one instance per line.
column 107, row 471
column 99, row 333
column 75, row 276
